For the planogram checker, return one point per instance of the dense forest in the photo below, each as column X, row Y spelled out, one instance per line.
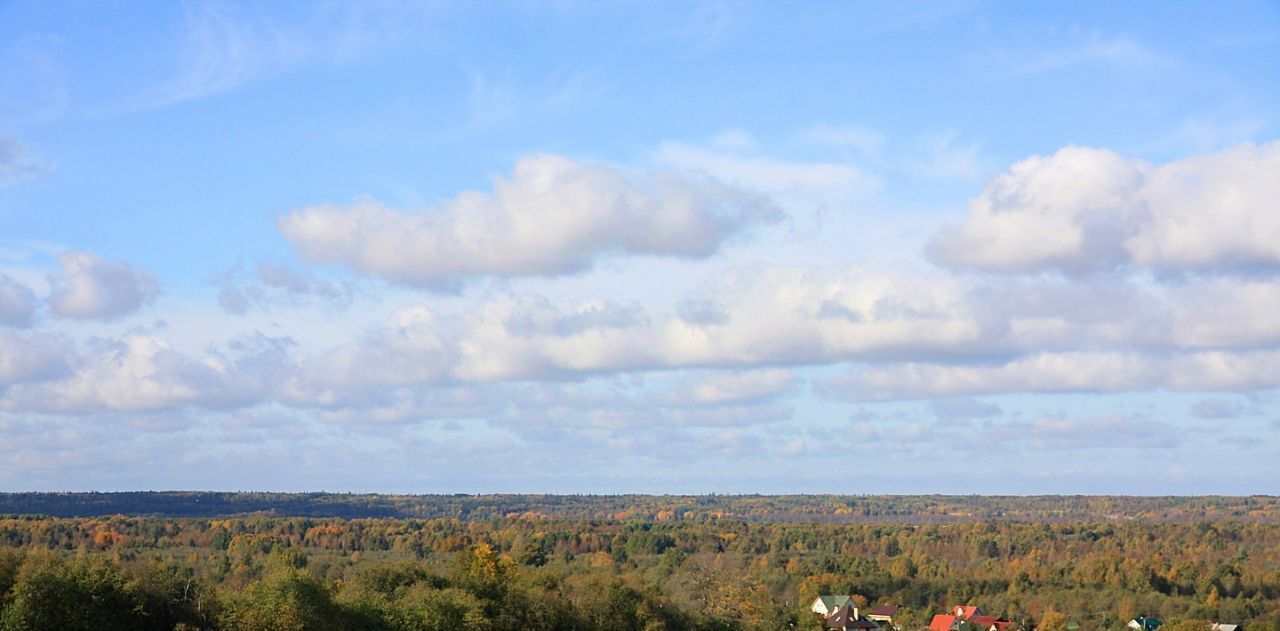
column 655, row 563
column 913, row 509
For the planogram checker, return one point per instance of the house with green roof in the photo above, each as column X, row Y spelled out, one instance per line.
column 827, row 604
column 1144, row 623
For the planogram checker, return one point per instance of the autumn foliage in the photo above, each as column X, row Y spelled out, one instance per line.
column 649, row 570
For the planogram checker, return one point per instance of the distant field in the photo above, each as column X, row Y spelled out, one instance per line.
column 768, row 508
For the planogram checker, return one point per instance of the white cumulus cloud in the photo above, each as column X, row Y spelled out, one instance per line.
column 1086, row 210
column 141, row 373
column 553, row 216
column 89, row 287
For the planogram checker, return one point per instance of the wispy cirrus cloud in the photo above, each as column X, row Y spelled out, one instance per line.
column 857, row 137
column 18, row 163
column 496, row 100
column 1115, row 50
column 223, row 47
column 220, row 50
column 795, row 184
column 33, row 88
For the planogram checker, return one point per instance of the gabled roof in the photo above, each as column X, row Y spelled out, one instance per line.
column 985, row 621
column 966, row 611
column 839, row 618
column 883, row 610
column 942, row 622
column 1219, row 626
column 834, row 601
column 846, row 617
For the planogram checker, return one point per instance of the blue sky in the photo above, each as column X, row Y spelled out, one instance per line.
column 841, row 247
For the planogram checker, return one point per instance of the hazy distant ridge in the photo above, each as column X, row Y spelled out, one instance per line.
column 784, row 508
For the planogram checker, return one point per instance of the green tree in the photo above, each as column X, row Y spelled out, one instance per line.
column 423, row 608
column 285, row 599
column 1185, row 624
column 85, row 593
column 10, row 563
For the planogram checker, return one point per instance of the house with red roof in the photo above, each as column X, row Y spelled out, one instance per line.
column 943, row 622
column 970, row 618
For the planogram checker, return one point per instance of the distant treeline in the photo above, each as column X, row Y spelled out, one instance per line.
column 907, row 509
column 536, row 574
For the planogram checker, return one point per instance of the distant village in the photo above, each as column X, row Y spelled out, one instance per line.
column 841, row 613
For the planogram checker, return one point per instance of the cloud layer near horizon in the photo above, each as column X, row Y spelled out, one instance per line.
column 1087, row 280
column 912, row 333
